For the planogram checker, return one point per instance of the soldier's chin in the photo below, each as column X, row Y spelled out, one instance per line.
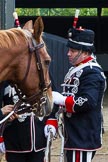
column 72, row 63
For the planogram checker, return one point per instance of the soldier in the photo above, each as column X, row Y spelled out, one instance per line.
column 82, row 98
column 5, row 110
column 25, row 137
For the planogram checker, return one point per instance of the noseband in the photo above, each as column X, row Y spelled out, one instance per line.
column 38, row 102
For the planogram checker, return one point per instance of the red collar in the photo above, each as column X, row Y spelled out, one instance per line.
column 86, row 60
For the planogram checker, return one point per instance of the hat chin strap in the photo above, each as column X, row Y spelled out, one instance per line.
column 76, row 57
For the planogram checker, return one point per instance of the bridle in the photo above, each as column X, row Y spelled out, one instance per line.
column 38, row 101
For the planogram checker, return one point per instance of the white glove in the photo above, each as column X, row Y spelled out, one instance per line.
column 48, row 129
column 58, row 98
column 2, row 145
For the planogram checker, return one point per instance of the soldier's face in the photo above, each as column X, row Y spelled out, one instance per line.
column 73, row 56
column 76, row 56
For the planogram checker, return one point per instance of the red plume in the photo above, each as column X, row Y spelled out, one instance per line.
column 76, row 18
column 17, row 23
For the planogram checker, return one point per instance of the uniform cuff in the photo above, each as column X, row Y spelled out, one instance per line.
column 1, row 139
column 69, row 103
column 53, row 122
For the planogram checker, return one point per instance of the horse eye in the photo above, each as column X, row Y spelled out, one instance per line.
column 47, row 62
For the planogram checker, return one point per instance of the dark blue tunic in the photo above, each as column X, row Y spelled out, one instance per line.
column 83, row 127
column 25, row 136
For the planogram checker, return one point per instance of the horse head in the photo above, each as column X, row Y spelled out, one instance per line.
column 25, row 63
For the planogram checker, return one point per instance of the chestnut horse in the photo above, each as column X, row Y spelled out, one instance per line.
column 24, row 61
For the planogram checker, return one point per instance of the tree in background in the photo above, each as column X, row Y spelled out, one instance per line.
column 59, row 11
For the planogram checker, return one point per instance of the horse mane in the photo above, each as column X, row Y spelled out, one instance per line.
column 10, row 37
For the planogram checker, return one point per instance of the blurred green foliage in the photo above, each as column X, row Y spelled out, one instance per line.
column 59, row 11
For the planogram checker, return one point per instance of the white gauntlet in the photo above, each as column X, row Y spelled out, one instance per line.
column 2, row 145
column 48, row 129
column 58, row 98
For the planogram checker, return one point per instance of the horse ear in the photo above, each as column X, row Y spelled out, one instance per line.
column 28, row 25
column 38, row 28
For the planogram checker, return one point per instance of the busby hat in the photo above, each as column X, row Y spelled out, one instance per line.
column 81, row 39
